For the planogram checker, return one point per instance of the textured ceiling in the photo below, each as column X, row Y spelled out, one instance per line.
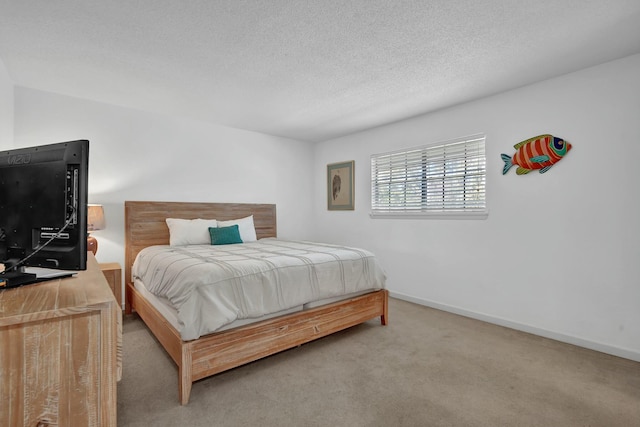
column 308, row 70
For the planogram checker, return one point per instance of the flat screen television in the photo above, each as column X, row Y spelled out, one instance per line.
column 43, row 210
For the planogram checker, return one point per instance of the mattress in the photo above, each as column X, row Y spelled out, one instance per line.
column 171, row 315
column 207, row 288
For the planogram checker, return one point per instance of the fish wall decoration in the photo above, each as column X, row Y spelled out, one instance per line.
column 537, row 153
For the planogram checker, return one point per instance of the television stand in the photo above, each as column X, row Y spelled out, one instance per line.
column 61, row 349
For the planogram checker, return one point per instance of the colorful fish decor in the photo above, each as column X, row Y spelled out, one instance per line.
column 537, row 153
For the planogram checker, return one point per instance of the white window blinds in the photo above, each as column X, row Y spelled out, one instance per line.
column 444, row 179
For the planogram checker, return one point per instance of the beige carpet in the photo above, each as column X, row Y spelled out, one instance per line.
column 426, row 368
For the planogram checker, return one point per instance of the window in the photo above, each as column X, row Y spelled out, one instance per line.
column 445, row 180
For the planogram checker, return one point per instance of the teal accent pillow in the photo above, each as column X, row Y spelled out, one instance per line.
column 225, row 235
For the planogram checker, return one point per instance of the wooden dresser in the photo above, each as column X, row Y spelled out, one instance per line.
column 60, row 352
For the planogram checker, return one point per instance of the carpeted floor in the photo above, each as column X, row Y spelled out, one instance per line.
column 426, row 368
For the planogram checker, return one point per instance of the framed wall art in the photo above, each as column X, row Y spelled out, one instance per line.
column 340, row 186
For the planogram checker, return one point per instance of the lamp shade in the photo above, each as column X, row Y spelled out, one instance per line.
column 95, row 218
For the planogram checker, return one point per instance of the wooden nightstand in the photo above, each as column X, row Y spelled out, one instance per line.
column 113, row 273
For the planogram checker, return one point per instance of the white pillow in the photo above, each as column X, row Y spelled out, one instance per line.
column 190, row 231
column 245, row 226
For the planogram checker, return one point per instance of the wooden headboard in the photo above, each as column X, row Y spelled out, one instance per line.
column 144, row 222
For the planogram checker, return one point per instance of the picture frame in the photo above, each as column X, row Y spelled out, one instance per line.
column 341, row 186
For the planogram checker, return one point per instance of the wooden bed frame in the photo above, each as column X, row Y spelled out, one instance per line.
column 217, row 352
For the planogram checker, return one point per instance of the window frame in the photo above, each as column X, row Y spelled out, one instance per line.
column 427, row 159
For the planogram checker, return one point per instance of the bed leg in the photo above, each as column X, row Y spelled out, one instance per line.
column 184, row 390
column 127, row 299
column 384, row 318
column 184, row 376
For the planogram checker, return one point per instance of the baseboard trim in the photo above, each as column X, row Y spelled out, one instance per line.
column 592, row 345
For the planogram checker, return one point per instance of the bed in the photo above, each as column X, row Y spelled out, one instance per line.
column 145, row 226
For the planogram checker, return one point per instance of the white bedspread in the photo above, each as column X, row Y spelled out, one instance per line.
column 211, row 286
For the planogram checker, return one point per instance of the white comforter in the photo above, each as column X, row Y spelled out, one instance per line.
column 212, row 286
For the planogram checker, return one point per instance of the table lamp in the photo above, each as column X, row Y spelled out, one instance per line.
column 95, row 221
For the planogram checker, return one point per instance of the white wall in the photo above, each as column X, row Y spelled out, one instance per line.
column 559, row 254
column 6, row 108
column 141, row 156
